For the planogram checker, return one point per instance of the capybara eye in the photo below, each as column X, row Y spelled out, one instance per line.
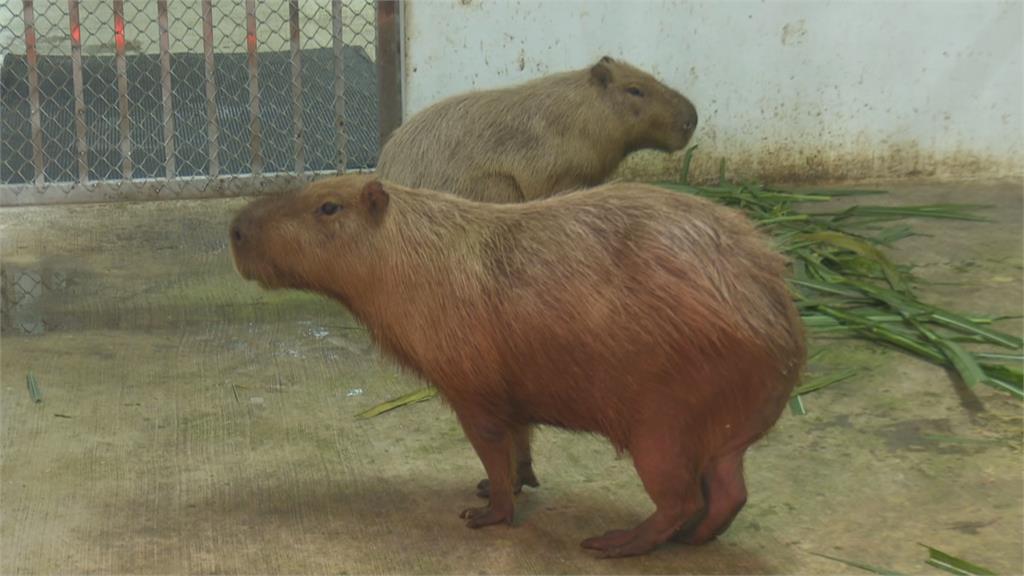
column 329, row 208
column 634, row 91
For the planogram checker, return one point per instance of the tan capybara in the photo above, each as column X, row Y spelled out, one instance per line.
column 659, row 320
column 556, row 133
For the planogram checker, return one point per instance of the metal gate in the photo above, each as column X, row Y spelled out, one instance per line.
column 133, row 99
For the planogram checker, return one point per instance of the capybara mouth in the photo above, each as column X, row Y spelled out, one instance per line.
column 248, row 260
column 263, row 274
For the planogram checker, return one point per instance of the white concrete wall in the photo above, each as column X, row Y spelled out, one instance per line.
column 787, row 90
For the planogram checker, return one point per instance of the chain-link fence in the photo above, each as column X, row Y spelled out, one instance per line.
column 108, row 99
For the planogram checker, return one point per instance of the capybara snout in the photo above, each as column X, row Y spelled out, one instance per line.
column 678, row 130
column 687, row 123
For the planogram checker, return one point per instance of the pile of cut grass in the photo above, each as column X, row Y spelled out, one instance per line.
column 844, row 285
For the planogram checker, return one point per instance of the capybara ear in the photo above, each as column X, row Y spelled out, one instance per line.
column 376, row 198
column 600, row 73
column 607, row 59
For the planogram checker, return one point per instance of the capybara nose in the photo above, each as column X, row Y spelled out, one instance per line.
column 691, row 124
column 236, row 233
column 690, row 118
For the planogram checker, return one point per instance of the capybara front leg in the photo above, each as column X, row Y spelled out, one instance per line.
column 524, row 464
column 492, row 441
column 725, row 493
column 670, row 478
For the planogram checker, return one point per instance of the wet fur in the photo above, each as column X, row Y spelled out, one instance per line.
column 556, row 133
column 659, row 320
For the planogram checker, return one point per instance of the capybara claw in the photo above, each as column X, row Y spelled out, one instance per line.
column 608, row 540
column 484, row 516
column 618, row 544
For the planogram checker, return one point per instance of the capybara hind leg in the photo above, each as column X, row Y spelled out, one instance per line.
column 524, row 464
column 725, row 493
column 492, row 441
column 671, row 481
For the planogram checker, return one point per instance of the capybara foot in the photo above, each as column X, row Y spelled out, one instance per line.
column 524, row 477
column 485, row 516
column 610, row 539
column 483, row 489
column 705, row 532
column 725, row 493
column 621, row 543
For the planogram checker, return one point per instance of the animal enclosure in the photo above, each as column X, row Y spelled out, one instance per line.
column 163, row 413
column 138, row 99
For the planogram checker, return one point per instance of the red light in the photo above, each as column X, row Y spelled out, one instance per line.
column 119, row 32
column 76, row 34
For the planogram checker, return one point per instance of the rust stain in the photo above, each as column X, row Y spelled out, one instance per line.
column 798, row 164
column 794, row 32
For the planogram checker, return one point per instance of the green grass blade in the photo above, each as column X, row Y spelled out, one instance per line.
column 1000, row 357
column 790, row 197
column 33, row 388
column 887, row 335
column 403, row 400
column 861, row 565
column 857, row 246
column 781, row 219
column 796, row 406
column 956, row 321
column 684, row 176
column 844, row 192
column 942, row 317
column 1005, row 378
column 823, row 321
column 890, row 236
column 938, row 211
column 1014, row 389
column 954, row 565
column 964, row 363
column 821, row 382
column 1006, row 374
column 827, row 288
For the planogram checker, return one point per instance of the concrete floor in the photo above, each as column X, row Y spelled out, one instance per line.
column 191, row 422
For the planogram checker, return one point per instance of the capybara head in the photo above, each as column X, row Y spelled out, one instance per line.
column 659, row 116
column 310, row 239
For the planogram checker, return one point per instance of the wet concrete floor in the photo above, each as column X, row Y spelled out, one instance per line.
column 191, row 422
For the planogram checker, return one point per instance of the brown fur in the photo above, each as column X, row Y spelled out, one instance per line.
column 530, row 141
column 659, row 320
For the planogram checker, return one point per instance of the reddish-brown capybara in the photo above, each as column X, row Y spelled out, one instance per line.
column 659, row 320
column 556, row 133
